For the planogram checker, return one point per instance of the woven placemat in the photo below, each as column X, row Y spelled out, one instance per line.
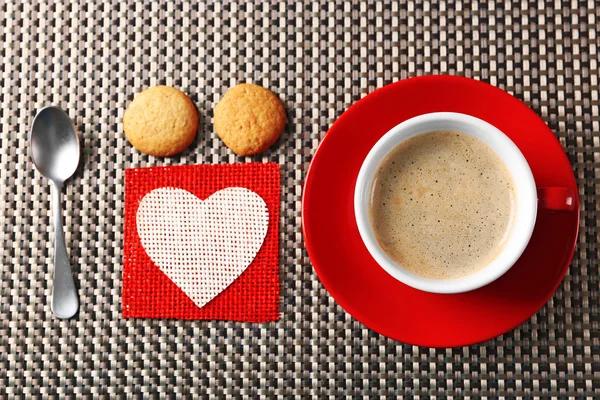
column 90, row 58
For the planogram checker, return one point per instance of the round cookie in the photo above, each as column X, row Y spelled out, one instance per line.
column 249, row 119
column 161, row 121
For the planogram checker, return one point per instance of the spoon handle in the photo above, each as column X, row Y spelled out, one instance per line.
column 64, row 295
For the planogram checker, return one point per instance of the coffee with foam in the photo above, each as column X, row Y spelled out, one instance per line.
column 442, row 205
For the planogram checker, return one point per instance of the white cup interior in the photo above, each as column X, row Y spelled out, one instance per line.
column 525, row 198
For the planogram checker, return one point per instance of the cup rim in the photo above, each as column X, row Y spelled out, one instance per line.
column 524, row 219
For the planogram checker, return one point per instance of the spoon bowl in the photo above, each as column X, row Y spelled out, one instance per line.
column 55, row 153
column 54, row 144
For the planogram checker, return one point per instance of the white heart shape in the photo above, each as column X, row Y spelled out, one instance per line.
column 202, row 246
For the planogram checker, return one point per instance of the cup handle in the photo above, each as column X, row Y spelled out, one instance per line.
column 556, row 199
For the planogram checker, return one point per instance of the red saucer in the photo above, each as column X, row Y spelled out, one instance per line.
column 381, row 302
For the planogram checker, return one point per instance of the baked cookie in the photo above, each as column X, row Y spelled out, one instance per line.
column 161, row 121
column 249, row 119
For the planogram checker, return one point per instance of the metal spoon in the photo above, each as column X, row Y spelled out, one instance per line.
column 55, row 153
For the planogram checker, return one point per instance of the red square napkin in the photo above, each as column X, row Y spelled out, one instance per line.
column 149, row 293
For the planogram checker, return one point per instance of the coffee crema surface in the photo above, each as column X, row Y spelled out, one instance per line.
column 442, row 205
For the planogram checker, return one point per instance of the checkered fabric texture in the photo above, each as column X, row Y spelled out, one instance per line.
column 319, row 57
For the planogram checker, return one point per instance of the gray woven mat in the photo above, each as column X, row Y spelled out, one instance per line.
column 319, row 57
